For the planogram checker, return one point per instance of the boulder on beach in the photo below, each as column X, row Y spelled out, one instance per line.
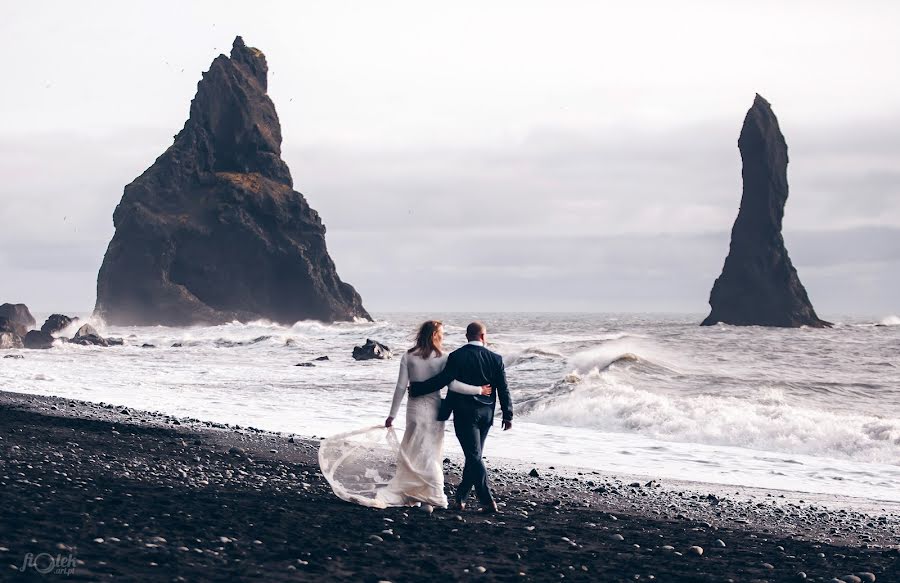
column 213, row 231
column 87, row 335
column 372, row 350
column 10, row 340
column 759, row 285
column 16, row 318
column 37, row 340
column 56, row 323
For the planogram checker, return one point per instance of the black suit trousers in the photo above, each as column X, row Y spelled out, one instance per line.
column 472, row 422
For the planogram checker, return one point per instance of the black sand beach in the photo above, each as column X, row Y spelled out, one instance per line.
column 143, row 496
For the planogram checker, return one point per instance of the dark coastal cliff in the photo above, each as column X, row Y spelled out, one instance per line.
column 759, row 286
column 213, row 231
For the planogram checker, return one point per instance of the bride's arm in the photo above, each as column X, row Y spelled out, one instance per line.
column 402, row 383
column 463, row 388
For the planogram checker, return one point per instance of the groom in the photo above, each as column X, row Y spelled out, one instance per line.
column 473, row 415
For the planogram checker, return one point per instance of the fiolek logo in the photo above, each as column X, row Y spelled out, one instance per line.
column 46, row 564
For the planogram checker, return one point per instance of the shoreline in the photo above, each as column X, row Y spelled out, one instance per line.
column 150, row 496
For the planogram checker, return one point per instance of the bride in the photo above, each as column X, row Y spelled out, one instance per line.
column 420, row 473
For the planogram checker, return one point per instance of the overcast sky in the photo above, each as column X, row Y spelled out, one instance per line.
column 558, row 156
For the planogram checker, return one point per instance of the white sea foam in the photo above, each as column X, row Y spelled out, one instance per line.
column 608, row 401
column 890, row 321
column 631, row 394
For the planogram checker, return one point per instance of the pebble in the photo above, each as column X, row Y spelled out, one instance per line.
column 695, row 550
column 534, row 473
column 768, row 565
column 867, row 576
column 617, row 537
column 720, row 543
column 480, row 569
column 376, row 538
column 851, row 579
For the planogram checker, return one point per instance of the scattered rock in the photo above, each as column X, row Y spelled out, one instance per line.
column 16, row 318
column 14, row 356
column 695, row 550
column 145, row 345
column 88, row 336
column 56, row 323
column 37, row 340
column 372, row 350
column 534, row 473
column 307, row 364
column 320, row 358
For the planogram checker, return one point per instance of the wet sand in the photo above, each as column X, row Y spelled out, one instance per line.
column 145, row 496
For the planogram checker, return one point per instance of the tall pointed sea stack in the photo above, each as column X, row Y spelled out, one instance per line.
column 213, row 231
column 759, row 286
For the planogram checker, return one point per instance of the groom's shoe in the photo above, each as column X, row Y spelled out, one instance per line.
column 458, row 505
column 490, row 508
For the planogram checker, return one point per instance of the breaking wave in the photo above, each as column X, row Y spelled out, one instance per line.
column 612, row 400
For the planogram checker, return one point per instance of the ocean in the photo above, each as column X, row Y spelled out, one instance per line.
column 803, row 410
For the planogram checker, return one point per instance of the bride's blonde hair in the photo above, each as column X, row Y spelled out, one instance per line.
column 425, row 339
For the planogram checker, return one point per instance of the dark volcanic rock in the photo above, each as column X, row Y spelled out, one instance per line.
column 10, row 340
column 56, row 322
column 18, row 317
column 38, row 340
column 213, row 231
column 371, row 350
column 13, row 328
column 87, row 335
column 759, row 286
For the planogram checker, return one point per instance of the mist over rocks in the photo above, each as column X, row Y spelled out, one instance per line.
column 56, row 323
column 759, row 285
column 213, row 231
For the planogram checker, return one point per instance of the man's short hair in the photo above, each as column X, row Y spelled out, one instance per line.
column 475, row 330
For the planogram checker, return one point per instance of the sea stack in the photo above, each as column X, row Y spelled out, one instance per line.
column 759, row 286
column 213, row 231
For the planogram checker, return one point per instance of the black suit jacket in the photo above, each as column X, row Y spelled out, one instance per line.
column 475, row 365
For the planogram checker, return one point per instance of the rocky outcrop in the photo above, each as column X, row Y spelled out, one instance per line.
column 213, row 231
column 372, row 350
column 758, row 285
column 35, row 339
column 56, row 323
column 16, row 318
column 87, row 335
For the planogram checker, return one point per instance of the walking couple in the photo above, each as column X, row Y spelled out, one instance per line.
column 476, row 380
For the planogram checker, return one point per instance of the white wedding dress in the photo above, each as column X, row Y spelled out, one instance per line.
column 370, row 467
